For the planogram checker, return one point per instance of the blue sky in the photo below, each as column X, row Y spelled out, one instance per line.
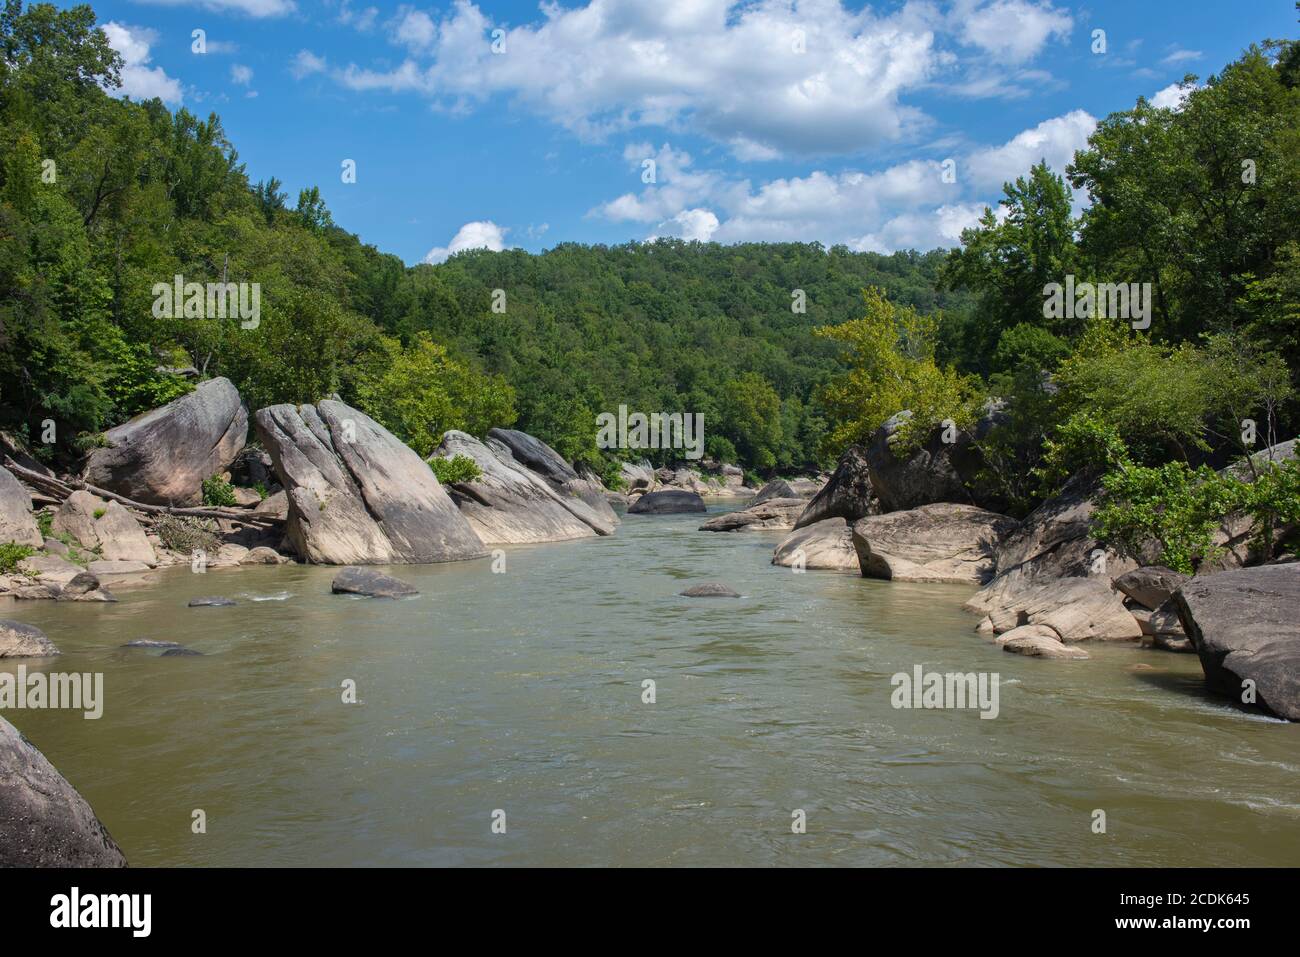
column 765, row 120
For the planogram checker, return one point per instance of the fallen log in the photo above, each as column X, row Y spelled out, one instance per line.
column 61, row 489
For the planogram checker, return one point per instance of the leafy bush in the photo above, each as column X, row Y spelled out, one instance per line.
column 218, row 492
column 11, row 553
column 459, row 468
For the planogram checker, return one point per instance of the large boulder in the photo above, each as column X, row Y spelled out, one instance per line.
column 17, row 523
column 21, row 640
column 1038, row 641
column 638, row 476
column 1245, row 628
column 536, row 455
column 103, row 527
column 511, row 504
column 942, row 542
column 1076, row 608
column 774, row 514
column 847, row 495
column 357, row 495
column 44, row 822
column 937, row 471
column 667, row 502
column 371, row 584
column 826, row 544
column 1151, row 585
column 163, row 456
column 800, row 488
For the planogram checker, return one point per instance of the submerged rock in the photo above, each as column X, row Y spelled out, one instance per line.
column 1245, row 628
column 21, row 640
column 934, row 543
column 667, row 502
column 372, row 584
column 710, row 590
column 181, row 653
column 150, row 643
column 44, row 822
column 827, row 544
column 214, row 601
column 357, row 495
column 163, row 456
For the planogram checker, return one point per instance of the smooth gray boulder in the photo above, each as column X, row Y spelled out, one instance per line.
column 775, row 514
column 667, row 502
column 846, row 495
column 163, row 456
column 638, row 476
column 1077, row 608
column 510, row 504
column 827, row 544
column 371, row 584
column 942, row 542
column 44, row 822
column 800, row 488
column 17, row 523
column 357, row 495
column 1245, row 626
column 1151, row 585
column 1038, row 641
column 536, row 455
column 710, row 590
column 21, row 640
column 104, row 527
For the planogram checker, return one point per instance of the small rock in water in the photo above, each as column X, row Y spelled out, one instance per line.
column 21, row 640
column 711, row 590
column 210, row 602
column 150, row 643
column 180, row 653
column 372, row 584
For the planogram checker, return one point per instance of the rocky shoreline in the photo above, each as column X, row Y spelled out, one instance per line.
column 329, row 485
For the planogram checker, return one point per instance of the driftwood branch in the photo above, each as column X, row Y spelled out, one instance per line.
column 61, row 489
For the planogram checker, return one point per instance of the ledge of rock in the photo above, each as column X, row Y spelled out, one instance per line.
column 800, row 488
column 1245, row 627
column 510, row 504
column 1077, row 608
column 667, row 502
column 936, row 471
column 827, row 544
column 934, row 543
column 846, row 495
column 776, row 513
column 21, row 640
column 357, row 495
column 44, row 822
column 370, row 583
column 536, row 455
column 1038, row 641
column 163, row 456
column 1151, row 585
column 17, row 523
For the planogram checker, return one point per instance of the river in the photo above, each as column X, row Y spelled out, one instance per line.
column 521, row 692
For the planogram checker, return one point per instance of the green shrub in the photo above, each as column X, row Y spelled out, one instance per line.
column 11, row 553
column 460, row 468
column 218, row 492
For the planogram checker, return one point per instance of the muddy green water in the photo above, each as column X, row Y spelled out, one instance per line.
column 522, row 692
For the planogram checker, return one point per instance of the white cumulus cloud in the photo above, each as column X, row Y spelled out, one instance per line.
column 482, row 234
column 139, row 80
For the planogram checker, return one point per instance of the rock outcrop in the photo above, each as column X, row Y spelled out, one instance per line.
column 17, row 523
column 827, row 544
column 44, row 822
column 371, row 584
column 934, row 543
column 536, row 455
column 1245, row 628
column 667, row 502
column 800, row 488
column 1038, row 641
column 21, row 640
column 103, row 527
column 357, row 495
column 776, row 514
column 510, row 504
column 1151, row 585
column 938, row 470
column 163, row 456
column 846, row 495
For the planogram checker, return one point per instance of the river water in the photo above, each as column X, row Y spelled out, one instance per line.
column 521, row 692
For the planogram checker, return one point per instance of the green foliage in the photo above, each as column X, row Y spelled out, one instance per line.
column 422, row 392
column 891, row 367
column 217, row 492
column 11, row 553
column 458, row 468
